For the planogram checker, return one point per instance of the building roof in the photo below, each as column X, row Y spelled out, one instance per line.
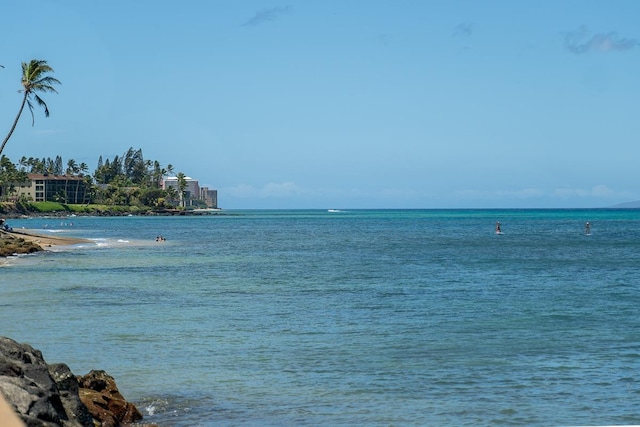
column 175, row 178
column 51, row 177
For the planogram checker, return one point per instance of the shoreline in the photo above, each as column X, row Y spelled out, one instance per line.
column 21, row 242
column 12, row 211
column 46, row 241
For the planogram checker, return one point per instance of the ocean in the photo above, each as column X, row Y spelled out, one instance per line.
column 346, row 318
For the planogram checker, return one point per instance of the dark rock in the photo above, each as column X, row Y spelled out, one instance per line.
column 28, row 386
column 52, row 396
column 67, row 384
column 11, row 245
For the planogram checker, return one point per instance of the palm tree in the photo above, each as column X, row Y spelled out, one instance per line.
column 172, row 194
column 77, row 169
column 72, row 167
column 182, row 186
column 34, row 79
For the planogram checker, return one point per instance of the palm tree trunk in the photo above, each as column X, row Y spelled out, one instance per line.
column 75, row 199
column 15, row 122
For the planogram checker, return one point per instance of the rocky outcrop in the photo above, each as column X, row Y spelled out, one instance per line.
column 12, row 245
column 46, row 395
column 99, row 393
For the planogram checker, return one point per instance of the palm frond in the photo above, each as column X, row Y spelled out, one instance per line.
column 42, row 104
column 48, row 80
column 33, row 118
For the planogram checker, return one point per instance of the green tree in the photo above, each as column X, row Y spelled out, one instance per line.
column 72, row 167
column 10, row 176
column 34, row 80
column 182, row 186
column 172, row 195
column 90, row 190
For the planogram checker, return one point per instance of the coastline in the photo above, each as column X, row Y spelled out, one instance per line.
column 45, row 241
column 12, row 210
column 23, row 242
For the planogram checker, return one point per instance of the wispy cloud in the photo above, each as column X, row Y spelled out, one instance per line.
column 463, row 30
column 280, row 189
column 267, row 15
column 269, row 190
column 524, row 193
column 598, row 191
column 583, row 41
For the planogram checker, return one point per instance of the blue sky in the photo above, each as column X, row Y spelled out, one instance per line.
column 343, row 103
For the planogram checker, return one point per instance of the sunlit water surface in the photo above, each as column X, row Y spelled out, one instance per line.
column 308, row 318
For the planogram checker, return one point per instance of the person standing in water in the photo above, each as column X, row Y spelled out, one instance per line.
column 498, row 229
column 587, row 228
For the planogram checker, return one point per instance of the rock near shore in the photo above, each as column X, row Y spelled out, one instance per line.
column 50, row 395
column 12, row 245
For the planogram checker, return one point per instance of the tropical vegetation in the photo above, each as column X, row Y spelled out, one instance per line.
column 127, row 182
column 122, row 183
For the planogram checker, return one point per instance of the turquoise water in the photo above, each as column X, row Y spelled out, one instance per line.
column 378, row 318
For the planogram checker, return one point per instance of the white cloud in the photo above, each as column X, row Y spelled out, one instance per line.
column 582, row 41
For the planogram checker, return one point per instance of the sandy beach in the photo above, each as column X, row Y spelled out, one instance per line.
column 45, row 241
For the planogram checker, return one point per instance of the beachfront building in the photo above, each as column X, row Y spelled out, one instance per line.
column 54, row 188
column 193, row 193
column 210, row 197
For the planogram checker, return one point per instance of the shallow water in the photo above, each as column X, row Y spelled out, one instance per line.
column 276, row 318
